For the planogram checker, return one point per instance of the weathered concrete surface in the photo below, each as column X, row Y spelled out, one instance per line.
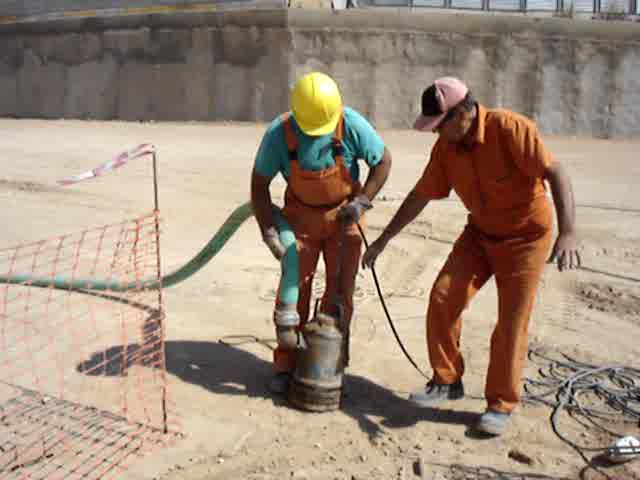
column 573, row 77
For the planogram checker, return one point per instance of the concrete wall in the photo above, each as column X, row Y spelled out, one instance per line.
column 221, row 66
column 573, row 77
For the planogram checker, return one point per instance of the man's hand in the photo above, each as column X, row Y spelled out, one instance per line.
column 375, row 249
column 565, row 252
column 272, row 238
column 353, row 210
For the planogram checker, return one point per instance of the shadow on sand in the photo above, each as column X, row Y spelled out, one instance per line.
column 229, row 370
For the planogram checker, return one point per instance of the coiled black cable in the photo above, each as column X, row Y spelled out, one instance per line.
column 592, row 395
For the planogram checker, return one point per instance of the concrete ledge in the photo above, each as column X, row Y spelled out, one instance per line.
column 379, row 19
column 267, row 18
column 424, row 20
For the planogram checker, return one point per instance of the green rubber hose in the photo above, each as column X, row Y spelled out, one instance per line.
column 288, row 290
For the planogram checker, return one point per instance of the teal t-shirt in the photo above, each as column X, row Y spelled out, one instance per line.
column 314, row 153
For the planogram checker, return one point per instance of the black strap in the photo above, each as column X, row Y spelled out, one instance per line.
column 386, row 311
column 337, row 148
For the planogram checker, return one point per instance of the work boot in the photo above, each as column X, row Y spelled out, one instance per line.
column 280, row 382
column 493, row 422
column 435, row 393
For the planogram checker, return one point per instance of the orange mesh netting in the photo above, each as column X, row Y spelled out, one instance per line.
column 83, row 382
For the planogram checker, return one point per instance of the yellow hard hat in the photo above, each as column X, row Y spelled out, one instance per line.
column 316, row 104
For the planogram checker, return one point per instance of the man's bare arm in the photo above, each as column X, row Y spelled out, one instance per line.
column 565, row 249
column 261, row 200
column 377, row 176
column 408, row 211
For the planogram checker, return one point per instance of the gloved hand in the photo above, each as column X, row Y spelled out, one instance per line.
column 271, row 237
column 353, row 210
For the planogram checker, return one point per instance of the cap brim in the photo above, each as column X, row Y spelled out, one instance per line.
column 426, row 123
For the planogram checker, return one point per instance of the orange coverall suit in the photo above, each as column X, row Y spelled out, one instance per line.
column 312, row 201
column 498, row 175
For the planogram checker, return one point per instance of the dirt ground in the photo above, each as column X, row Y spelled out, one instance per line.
column 234, row 428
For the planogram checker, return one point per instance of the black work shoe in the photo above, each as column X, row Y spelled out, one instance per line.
column 435, row 393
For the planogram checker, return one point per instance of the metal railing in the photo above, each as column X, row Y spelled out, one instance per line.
column 603, row 8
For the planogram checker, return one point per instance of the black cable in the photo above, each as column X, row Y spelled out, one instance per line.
column 237, row 340
column 386, row 310
column 567, row 381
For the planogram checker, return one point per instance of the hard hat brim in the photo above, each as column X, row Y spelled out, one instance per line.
column 318, row 131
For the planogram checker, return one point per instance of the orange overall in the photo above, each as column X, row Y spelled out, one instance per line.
column 499, row 176
column 312, row 201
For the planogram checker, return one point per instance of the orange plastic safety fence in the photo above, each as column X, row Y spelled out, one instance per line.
column 83, row 381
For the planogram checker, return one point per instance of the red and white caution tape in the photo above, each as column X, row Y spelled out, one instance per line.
column 117, row 162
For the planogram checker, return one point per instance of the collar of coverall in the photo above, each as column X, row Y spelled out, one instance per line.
column 476, row 135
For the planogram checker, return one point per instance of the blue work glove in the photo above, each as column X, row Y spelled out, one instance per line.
column 271, row 237
column 353, row 210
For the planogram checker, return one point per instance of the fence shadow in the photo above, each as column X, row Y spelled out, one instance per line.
column 229, row 370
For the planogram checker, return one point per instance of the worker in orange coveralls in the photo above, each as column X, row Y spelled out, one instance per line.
column 496, row 163
column 316, row 147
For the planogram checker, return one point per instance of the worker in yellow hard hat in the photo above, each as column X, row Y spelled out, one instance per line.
column 316, row 147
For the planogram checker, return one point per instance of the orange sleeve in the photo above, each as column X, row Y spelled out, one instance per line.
column 434, row 183
column 526, row 147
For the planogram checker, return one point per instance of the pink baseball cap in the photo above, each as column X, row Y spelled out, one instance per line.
column 437, row 100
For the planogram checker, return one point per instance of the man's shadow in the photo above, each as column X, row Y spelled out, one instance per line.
column 227, row 369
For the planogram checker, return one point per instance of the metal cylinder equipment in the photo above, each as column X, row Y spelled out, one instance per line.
column 316, row 384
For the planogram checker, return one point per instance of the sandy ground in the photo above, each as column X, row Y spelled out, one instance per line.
column 234, row 429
